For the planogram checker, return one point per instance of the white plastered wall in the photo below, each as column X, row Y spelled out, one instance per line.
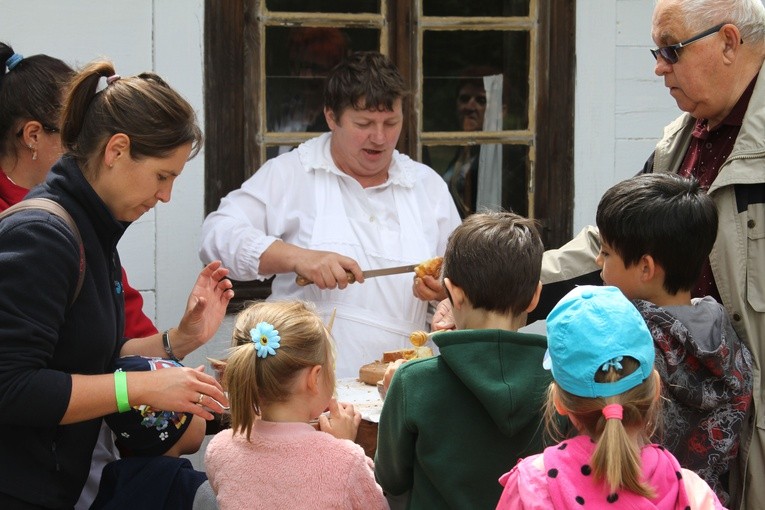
column 621, row 106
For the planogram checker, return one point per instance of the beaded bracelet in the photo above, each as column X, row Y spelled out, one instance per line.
column 120, row 391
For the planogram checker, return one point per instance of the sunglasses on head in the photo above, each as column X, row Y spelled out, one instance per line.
column 671, row 53
column 465, row 98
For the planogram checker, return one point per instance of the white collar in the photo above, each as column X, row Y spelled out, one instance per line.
column 315, row 154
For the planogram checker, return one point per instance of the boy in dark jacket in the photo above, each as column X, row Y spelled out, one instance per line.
column 656, row 232
column 151, row 474
column 452, row 424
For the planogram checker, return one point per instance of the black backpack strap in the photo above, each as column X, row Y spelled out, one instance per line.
column 55, row 208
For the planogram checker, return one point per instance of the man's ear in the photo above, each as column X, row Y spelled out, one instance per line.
column 535, row 298
column 329, row 116
column 456, row 294
column 733, row 41
column 118, row 146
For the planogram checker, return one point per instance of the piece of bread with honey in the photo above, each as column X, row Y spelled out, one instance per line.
column 407, row 354
column 430, row 267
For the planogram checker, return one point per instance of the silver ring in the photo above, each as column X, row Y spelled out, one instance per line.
column 199, row 400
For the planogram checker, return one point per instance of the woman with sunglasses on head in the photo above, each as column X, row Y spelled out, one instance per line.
column 55, row 383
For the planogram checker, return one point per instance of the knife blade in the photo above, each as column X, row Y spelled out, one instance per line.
column 369, row 273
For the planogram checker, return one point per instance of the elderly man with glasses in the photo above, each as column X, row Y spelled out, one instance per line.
column 710, row 55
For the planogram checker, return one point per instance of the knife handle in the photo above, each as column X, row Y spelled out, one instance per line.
column 303, row 281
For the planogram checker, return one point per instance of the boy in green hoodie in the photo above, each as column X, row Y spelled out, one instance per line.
column 450, row 423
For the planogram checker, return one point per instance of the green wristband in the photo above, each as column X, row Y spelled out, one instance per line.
column 120, row 391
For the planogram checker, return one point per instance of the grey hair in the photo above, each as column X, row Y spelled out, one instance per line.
column 747, row 15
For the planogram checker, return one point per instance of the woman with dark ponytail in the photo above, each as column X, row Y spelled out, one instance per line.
column 125, row 141
column 31, row 95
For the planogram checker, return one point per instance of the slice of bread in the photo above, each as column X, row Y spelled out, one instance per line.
column 431, row 267
column 407, row 354
column 373, row 372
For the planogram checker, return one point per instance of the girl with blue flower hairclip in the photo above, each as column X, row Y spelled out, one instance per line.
column 280, row 377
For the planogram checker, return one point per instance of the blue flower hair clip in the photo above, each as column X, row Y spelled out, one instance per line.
column 614, row 362
column 265, row 338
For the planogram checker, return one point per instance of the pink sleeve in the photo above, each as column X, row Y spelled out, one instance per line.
column 700, row 495
column 525, row 486
column 363, row 491
column 510, row 498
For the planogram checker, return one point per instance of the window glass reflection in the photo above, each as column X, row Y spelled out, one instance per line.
column 355, row 6
column 482, row 8
column 463, row 167
column 299, row 59
column 454, row 63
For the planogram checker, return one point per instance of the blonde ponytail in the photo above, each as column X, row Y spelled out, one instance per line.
column 254, row 383
column 616, row 460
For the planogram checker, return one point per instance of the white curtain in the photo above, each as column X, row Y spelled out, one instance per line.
column 489, row 195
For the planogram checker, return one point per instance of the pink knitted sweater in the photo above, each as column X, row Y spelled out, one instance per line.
column 290, row 466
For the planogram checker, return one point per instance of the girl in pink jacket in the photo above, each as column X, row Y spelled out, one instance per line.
column 601, row 355
column 280, row 377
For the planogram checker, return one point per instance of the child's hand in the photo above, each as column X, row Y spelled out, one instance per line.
column 342, row 422
column 392, row 367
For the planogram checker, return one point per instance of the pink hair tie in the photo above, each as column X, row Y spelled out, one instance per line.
column 613, row 412
column 104, row 82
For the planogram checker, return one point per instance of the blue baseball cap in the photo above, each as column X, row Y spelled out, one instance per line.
column 592, row 327
column 144, row 431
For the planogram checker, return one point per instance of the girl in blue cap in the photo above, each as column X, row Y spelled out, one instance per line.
column 601, row 356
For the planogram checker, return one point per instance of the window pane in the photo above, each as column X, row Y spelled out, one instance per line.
column 482, row 8
column 298, row 59
column 354, row 6
column 454, row 63
column 503, row 170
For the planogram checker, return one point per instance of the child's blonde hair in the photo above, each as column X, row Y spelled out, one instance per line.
column 253, row 382
column 616, row 459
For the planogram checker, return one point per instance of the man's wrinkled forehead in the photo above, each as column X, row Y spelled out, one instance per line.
column 668, row 26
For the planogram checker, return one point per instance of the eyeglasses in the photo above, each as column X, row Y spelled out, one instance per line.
column 670, row 53
column 465, row 98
